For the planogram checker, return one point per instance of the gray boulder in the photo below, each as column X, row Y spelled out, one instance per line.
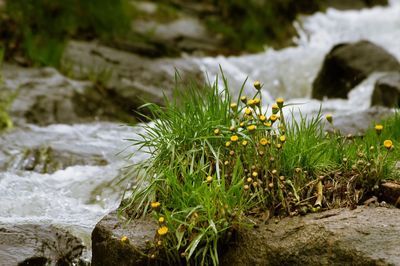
column 347, row 64
column 131, row 79
column 44, row 96
column 107, row 247
column 387, row 91
column 29, row 244
column 364, row 236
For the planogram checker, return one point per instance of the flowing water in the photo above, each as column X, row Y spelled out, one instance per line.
column 78, row 196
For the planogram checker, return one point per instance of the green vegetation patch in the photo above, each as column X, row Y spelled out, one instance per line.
column 39, row 29
column 5, row 102
column 261, row 22
column 216, row 161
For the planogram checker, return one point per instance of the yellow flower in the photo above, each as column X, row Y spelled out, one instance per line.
column 251, row 128
column 254, row 174
column 262, row 118
column 388, row 144
column 242, row 124
column 234, row 106
column 257, row 101
column 227, row 144
column 247, row 111
column 273, row 118
column 275, row 108
column 217, row 131
column 163, row 230
column 280, row 102
column 209, row 179
column 161, row 219
column 282, row 138
column 124, row 239
column 243, row 99
column 329, row 118
column 251, row 102
column 234, row 138
column 263, row 141
column 378, row 129
column 155, row 205
column 244, row 142
column 278, row 146
column 257, row 85
column 246, row 187
column 232, row 128
column 267, row 124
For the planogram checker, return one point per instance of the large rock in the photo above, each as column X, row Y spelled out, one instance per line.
column 133, row 80
column 107, row 247
column 348, row 64
column 387, row 91
column 38, row 245
column 365, row 236
column 44, row 96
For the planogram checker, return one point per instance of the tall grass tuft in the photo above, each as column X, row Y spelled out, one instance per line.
column 216, row 161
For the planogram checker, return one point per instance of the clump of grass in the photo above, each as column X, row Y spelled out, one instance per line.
column 215, row 161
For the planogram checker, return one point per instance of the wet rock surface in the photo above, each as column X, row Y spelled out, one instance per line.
column 364, row 236
column 387, row 91
column 44, row 96
column 32, row 244
column 347, row 64
column 107, row 247
column 133, row 80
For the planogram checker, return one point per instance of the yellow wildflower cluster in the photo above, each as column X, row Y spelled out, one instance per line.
column 256, row 137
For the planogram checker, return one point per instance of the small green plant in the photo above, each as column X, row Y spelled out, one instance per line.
column 5, row 102
column 214, row 162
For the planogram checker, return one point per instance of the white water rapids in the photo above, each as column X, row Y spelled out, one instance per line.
column 70, row 198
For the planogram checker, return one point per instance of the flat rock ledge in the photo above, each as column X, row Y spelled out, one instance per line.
column 364, row 236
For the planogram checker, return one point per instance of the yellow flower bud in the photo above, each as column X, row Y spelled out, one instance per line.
column 251, row 128
column 378, row 129
column 257, row 85
column 243, row 99
column 263, row 141
column 329, row 118
column 247, row 111
column 209, row 179
column 388, row 144
column 162, row 230
column 275, row 108
column 234, row 106
column 280, row 102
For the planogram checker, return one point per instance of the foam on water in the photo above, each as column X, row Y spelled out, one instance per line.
column 289, row 72
column 73, row 197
